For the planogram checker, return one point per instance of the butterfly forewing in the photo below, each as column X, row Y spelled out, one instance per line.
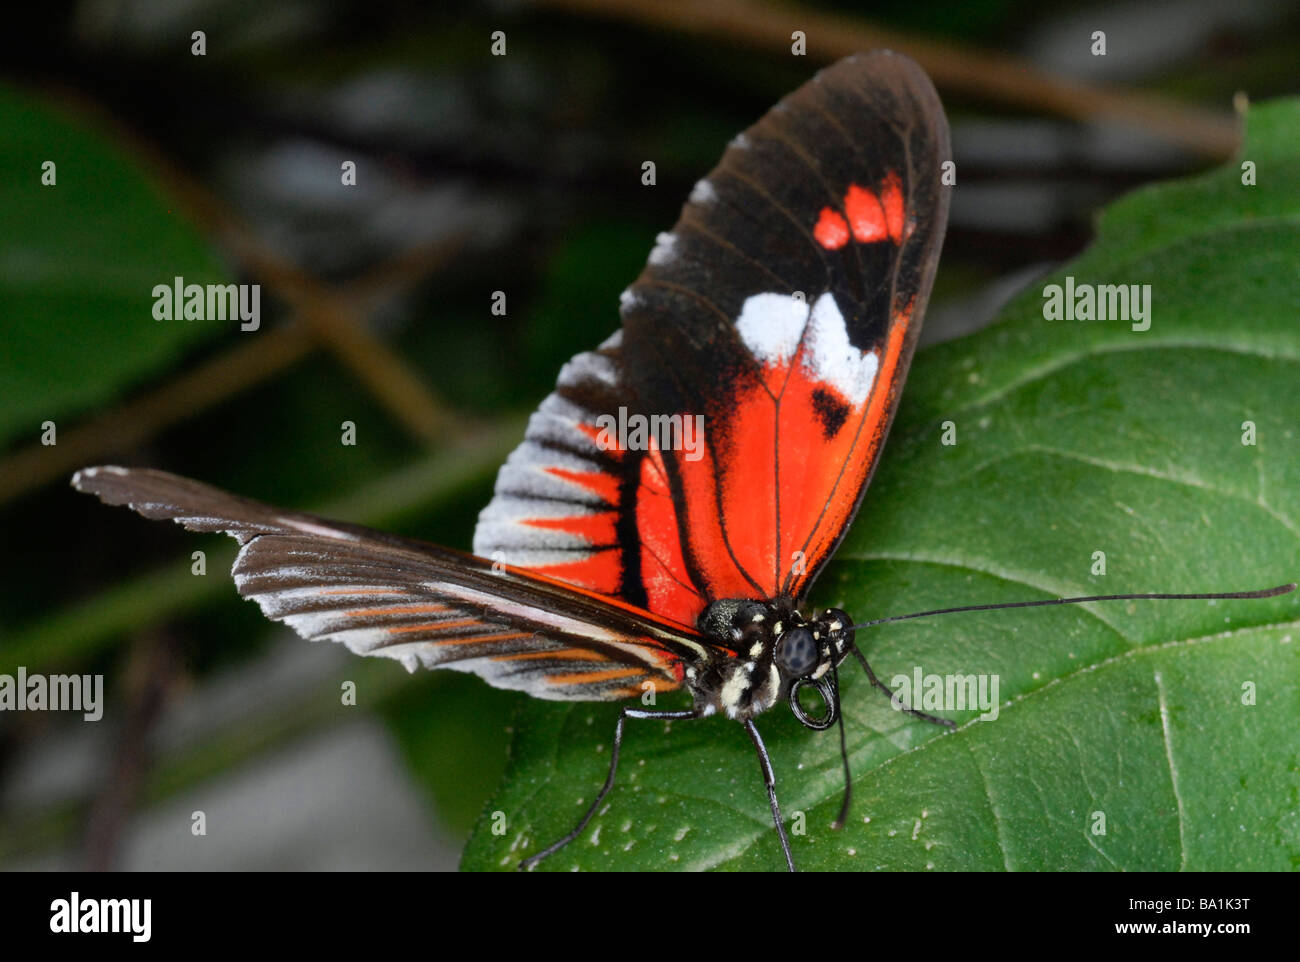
column 783, row 308
column 415, row 602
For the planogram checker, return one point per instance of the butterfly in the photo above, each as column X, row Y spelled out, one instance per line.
column 623, row 553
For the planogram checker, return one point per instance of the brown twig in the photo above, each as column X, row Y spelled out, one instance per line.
column 330, row 316
column 1005, row 80
column 404, row 271
column 250, row 363
column 135, row 422
column 320, row 308
column 151, row 672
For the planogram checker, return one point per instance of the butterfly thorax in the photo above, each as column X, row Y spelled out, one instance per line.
column 775, row 646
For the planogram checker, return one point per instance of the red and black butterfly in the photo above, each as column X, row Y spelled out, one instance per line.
column 783, row 308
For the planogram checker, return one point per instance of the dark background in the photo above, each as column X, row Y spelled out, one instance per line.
column 476, row 174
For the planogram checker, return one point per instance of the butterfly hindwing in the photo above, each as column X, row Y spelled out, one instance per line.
column 783, row 308
column 418, row 603
column 573, row 504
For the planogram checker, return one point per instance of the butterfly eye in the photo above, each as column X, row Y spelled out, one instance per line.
column 836, row 623
column 796, row 652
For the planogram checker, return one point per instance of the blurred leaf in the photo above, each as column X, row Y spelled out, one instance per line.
column 453, row 732
column 78, row 268
column 576, row 307
column 1073, row 437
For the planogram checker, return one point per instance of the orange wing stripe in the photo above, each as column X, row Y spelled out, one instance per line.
column 559, row 654
column 404, row 610
column 479, row 639
column 434, row 626
column 591, row 677
column 659, row 683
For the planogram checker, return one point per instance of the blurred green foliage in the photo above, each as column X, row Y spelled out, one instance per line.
column 87, row 238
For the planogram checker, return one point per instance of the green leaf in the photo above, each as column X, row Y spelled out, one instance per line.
column 1072, row 438
column 78, row 268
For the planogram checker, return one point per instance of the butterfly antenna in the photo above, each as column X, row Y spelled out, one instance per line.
column 842, row 817
column 906, row 709
column 1214, row 596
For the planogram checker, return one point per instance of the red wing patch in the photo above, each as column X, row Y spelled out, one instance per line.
column 869, row 216
column 783, row 472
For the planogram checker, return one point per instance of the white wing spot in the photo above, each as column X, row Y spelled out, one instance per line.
column 828, row 355
column 770, row 326
column 663, row 251
column 703, row 193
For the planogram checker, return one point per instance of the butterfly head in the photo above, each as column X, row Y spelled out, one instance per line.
column 779, row 652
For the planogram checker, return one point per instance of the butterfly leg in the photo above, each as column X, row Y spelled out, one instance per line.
column 769, row 779
column 844, row 758
column 625, row 714
column 907, row 709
